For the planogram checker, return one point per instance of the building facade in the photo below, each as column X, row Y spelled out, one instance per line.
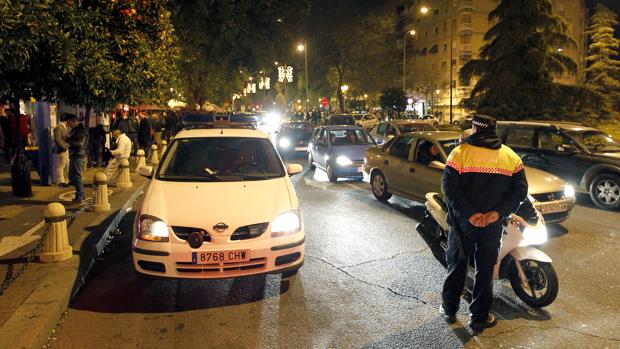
column 449, row 33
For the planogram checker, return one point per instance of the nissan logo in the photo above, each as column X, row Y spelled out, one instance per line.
column 220, row 227
column 551, row 197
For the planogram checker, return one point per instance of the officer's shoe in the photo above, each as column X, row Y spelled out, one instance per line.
column 479, row 326
column 449, row 318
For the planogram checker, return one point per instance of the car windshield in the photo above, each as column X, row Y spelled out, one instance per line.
column 342, row 120
column 449, row 145
column 220, row 159
column 359, row 117
column 302, row 127
column 415, row 127
column 596, row 141
column 350, row 137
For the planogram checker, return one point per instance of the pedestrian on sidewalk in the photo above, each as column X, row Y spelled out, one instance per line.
column 78, row 142
column 484, row 182
column 96, row 140
column 61, row 151
column 122, row 152
column 145, row 134
column 9, row 140
column 129, row 126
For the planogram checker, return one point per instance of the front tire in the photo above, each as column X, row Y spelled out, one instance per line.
column 605, row 191
column 542, row 280
column 379, row 187
column 331, row 174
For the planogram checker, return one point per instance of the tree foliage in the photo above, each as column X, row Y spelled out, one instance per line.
column 603, row 71
column 523, row 51
column 393, row 99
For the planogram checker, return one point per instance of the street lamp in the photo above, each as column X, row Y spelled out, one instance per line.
column 302, row 48
column 424, row 10
column 412, row 33
column 344, row 88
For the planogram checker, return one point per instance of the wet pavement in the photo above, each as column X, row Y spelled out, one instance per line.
column 369, row 281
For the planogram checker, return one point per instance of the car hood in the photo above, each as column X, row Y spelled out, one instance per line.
column 205, row 204
column 540, row 182
column 353, row 152
column 613, row 158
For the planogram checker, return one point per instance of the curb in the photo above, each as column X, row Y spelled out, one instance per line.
column 34, row 320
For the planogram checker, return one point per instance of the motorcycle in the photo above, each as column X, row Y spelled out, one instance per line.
column 528, row 269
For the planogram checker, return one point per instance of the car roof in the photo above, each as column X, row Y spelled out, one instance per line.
column 342, row 127
column 564, row 125
column 407, row 121
column 436, row 135
column 220, row 132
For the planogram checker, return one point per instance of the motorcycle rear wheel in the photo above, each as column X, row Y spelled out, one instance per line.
column 542, row 279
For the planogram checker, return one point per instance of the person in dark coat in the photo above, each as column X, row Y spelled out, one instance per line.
column 145, row 135
column 96, row 141
column 78, row 148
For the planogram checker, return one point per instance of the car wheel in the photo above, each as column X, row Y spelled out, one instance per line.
column 311, row 161
column 331, row 174
column 605, row 191
column 379, row 187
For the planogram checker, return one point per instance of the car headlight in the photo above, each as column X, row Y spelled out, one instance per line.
column 343, row 161
column 534, row 235
column 152, row 229
column 285, row 143
column 286, row 223
column 569, row 191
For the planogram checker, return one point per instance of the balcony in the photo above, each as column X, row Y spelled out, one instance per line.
column 466, row 27
column 465, row 51
column 466, row 7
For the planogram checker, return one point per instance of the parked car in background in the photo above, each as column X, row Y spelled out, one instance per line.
column 412, row 164
column 366, row 121
column 587, row 158
column 341, row 119
column 429, row 119
column 339, row 150
column 388, row 129
column 293, row 137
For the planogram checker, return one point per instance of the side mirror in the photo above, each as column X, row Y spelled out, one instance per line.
column 145, row 171
column 437, row 165
column 293, row 169
column 567, row 149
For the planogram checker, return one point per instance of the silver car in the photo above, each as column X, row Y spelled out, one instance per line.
column 384, row 131
column 405, row 166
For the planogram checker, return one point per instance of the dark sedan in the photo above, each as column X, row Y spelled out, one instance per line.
column 293, row 137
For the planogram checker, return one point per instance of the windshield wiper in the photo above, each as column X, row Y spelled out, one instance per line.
column 256, row 176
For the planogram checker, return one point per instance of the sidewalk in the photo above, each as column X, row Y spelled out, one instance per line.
column 33, row 296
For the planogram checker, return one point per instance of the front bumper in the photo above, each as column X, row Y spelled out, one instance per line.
column 174, row 260
column 355, row 170
column 549, row 212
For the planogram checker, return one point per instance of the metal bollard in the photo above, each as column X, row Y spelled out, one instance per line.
column 56, row 247
column 101, row 193
column 124, row 178
column 154, row 156
column 141, row 159
column 164, row 146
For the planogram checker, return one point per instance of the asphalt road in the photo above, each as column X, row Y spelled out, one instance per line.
column 369, row 281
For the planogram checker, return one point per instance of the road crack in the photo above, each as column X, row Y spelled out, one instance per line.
column 387, row 258
column 389, row 289
column 497, row 334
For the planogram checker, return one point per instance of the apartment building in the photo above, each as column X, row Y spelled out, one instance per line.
column 448, row 33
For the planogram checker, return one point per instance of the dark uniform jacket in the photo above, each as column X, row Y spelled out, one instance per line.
column 481, row 176
column 78, row 141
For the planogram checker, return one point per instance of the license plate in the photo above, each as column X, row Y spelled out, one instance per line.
column 360, row 169
column 553, row 208
column 220, row 257
column 301, row 148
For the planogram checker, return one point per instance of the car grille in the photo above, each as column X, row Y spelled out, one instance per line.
column 249, row 231
column 183, row 232
column 254, row 263
column 554, row 217
column 544, row 197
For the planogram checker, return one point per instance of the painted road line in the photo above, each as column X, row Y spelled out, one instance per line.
column 9, row 244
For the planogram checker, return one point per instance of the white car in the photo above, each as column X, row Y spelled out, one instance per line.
column 366, row 121
column 220, row 205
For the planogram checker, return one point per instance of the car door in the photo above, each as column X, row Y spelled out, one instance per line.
column 318, row 146
column 395, row 166
column 553, row 157
column 424, row 178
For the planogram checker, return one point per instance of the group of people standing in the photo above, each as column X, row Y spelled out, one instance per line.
column 73, row 145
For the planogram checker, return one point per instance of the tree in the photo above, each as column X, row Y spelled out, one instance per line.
column 603, row 71
column 393, row 99
column 521, row 55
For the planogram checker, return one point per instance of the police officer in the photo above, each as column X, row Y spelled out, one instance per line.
column 484, row 182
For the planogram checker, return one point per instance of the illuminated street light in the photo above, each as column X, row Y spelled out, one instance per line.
column 412, row 33
column 437, row 91
column 275, row 63
column 301, row 48
column 424, row 10
column 344, row 88
column 365, row 95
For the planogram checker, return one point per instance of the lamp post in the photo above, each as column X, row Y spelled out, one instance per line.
column 424, row 10
column 344, row 89
column 304, row 48
column 412, row 33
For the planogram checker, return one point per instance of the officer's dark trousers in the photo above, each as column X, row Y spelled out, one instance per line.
column 484, row 245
